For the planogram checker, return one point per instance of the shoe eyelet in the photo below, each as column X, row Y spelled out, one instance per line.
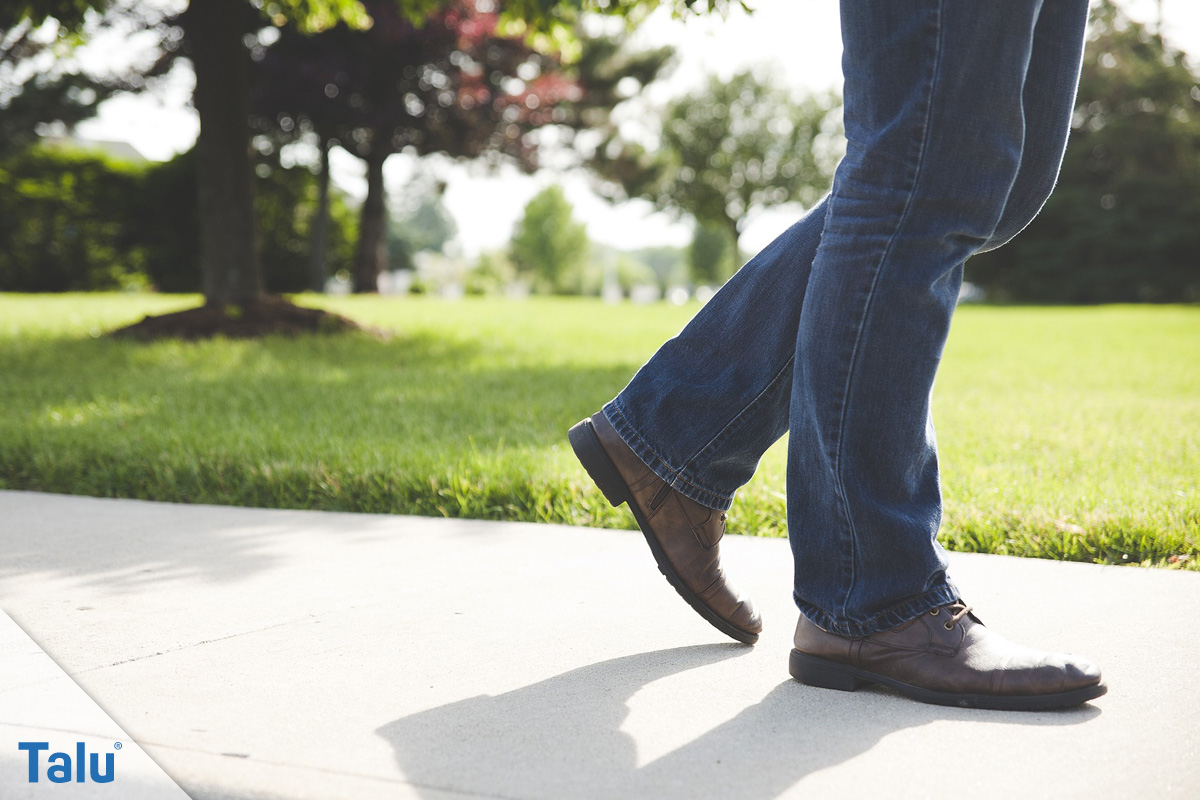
column 949, row 626
column 935, row 612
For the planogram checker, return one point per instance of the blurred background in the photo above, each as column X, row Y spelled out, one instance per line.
column 642, row 157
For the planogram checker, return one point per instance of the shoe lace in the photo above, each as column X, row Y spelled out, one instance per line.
column 958, row 610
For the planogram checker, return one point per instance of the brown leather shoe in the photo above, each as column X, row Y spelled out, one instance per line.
column 945, row 656
column 683, row 535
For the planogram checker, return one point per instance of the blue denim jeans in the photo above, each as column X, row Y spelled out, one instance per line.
column 956, row 116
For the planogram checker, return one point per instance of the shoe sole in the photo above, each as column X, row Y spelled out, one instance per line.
column 591, row 454
column 826, row 674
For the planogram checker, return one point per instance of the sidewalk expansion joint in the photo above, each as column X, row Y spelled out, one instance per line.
column 190, row 645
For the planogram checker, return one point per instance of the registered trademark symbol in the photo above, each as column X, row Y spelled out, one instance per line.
column 118, row 746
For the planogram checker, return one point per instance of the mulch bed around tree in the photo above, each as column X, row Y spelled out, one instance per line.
column 269, row 315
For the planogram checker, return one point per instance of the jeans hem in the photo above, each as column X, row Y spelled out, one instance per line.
column 897, row 615
column 678, row 480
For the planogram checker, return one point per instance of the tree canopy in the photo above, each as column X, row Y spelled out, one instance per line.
column 548, row 244
column 41, row 80
column 228, row 238
column 69, row 13
column 729, row 149
column 457, row 84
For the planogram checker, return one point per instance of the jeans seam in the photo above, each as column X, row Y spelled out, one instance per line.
column 863, row 320
column 728, row 427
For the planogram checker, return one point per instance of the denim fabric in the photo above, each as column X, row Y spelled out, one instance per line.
column 956, row 114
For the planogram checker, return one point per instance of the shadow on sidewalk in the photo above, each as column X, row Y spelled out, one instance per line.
column 561, row 737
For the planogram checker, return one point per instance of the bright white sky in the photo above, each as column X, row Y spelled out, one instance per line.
column 799, row 39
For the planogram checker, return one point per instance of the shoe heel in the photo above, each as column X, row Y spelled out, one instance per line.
column 824, row 674
column 599, row 466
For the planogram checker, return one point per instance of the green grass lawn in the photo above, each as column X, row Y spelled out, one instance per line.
column 1065, row 432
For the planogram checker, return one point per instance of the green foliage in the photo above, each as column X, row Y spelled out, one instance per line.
column 44, row 83
column 69, row 13
column 548, row 245
column 549, row 25
column 286, row 203
column 454, row 85
column 608, row 73
column 62, row 221
column 745, row 144
column 165, row 226
column 1064, row 433
column 553, row 25
column 663, row 266
column 314, row 16
column 731, row 148
column 66, row 99
column 492, row 273
column 73, row 220
column 712, row 255
column 1121, row 226
column 669, row 264
column 419, row 221
column 631, row 272
column 550, row 21
column 453, row 81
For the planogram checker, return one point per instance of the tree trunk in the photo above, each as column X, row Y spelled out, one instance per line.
column 320, row 231
column 228, row 246
column 372, row 230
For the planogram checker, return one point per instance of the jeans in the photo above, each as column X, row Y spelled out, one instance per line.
column 956, row 116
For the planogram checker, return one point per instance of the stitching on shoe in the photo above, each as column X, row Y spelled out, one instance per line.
column 644, row 481
column 704, row 595
column 693, row 526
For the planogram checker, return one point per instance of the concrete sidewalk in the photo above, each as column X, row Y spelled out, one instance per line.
column 285, row 654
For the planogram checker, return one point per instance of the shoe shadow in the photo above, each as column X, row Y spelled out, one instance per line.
column 561, row 737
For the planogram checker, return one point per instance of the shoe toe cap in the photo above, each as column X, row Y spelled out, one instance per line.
column 738, row 609
column 747, row 617
column 1080, row 672
column 1065, row 673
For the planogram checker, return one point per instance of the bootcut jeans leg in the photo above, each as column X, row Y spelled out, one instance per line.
column 957, row 115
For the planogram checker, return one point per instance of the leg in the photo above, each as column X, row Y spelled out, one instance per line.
column 936, row 97
column 1048, row 100
column 702, row 430
column 701, row 413
column 935, row 105
column 711, row 401
column 691, row 426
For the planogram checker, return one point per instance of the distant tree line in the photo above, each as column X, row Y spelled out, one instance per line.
column 221, row 54
column 723, row 152
column 471, row 79
column 1121, row 226
column 73, row 220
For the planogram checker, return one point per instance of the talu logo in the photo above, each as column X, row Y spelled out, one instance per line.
column 61, row 768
